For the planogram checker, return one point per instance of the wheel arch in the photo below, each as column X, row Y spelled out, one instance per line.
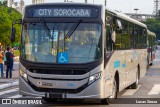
column 139, row 75
column 116, row 77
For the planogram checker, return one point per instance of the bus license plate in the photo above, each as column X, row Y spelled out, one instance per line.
column 52, row 95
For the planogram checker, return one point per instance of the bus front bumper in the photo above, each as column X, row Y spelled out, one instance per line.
column 93, row 91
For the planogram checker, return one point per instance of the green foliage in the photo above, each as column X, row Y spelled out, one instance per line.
column 154, row 26
column 16, row 52
column 7, row 16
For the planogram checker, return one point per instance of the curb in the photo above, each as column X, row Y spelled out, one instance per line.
column 3, row 86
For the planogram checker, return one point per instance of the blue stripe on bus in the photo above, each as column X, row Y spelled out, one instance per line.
column 124, row 65
column 117, row 64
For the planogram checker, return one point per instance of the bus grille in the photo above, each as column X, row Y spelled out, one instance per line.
column 52, row 90
column 58, row 71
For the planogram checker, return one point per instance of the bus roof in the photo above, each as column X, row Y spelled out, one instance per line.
column 64, row 3
column 151, row 33
column 126, row 17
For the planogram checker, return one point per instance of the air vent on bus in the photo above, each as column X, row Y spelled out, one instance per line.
column 58, row 71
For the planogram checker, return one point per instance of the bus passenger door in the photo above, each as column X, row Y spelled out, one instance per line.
column 107, row 56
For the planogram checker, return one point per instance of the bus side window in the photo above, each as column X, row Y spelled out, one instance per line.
column 144, row 38
column 110, row 20
column 136, row 37
column 125, row 39
column 118, row 43
column 108, row 39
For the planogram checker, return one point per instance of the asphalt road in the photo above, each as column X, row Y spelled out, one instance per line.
column 16, row 66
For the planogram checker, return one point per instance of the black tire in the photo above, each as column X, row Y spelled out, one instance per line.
column 49, row 100
column 105, row 101
column 113, row 97
column 24, row 96
column 74, row 100
column 135, row 84
column 147, row 60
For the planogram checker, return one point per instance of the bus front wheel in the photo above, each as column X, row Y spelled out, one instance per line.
column 49, row 100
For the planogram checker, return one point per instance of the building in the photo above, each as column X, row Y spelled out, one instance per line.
column 19, row 6
column 37, row 1
column 7, row 2
column 140, row 17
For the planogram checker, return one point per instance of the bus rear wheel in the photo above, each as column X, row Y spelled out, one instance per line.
column 113, row 97
column 150, row 64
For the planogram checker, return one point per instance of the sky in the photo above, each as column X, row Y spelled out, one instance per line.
column 125, row 6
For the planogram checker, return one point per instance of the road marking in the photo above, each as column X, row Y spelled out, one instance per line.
column 7, row 80
column 9, row 85
column 16, row 62
column 38, row 97
column 157, row 59
column 9, row 91
column 19, row 96
column 16, row 96
column 155, row 90
column 130, row 92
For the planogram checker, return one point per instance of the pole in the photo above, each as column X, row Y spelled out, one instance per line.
column 136, row 13
column 21, row 5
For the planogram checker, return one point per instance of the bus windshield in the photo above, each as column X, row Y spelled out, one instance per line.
column 83, row 46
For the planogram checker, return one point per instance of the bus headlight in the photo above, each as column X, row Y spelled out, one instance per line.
column 23, row 75
column 94, row 77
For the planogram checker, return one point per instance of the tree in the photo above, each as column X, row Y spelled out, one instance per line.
column 153, row 25
column 7, row 16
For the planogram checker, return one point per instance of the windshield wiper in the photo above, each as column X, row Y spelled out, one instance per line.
column 73, row 28
column 45, row 27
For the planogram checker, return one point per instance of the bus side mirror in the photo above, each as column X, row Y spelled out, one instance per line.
column 119, row 25
column 13, row 33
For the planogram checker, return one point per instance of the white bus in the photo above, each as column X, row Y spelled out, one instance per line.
column 79, row 51
column 151, row 47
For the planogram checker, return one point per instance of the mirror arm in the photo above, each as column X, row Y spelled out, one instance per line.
column 13, row 30
column 18, row 21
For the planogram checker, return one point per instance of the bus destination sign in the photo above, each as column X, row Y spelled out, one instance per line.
column 62, row 12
